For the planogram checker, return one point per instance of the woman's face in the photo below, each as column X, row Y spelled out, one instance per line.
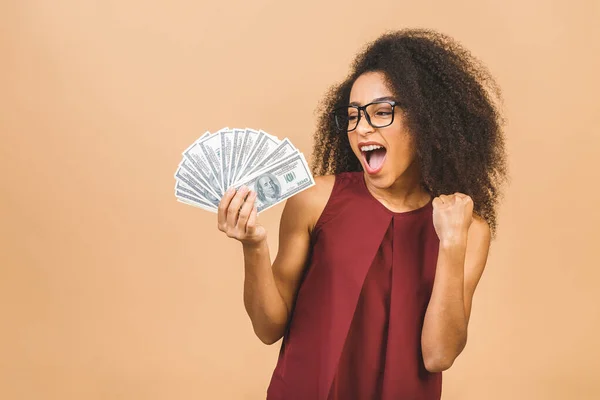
column 384, row 165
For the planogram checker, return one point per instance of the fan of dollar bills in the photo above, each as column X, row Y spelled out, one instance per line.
column 273, row 168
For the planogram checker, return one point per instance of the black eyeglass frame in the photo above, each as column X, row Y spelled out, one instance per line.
column 367, row 116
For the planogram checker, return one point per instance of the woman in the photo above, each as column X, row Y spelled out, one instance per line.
column 372, row 286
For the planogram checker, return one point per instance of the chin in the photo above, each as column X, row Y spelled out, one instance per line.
column 385, row 178
column 381, row 180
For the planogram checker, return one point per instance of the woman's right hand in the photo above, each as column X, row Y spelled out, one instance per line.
column 237, row 217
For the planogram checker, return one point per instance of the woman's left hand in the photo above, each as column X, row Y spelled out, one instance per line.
column 452, row 217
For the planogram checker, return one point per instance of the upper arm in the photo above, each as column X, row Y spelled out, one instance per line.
column 299, row 216
column 478, row 244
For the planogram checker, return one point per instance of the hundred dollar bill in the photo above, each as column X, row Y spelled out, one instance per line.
column 226, row 138
column 184, row 193
column 182, row 187
column 264, row 145
column 236, row 153
column 192, row 202
column 279, row 181
column 201, row 191
column 283, row 150
column 204, row 164
column 199, row 180
column 250, row 137
column 211, row 148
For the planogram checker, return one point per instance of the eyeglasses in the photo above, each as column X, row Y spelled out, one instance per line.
column 379, row 114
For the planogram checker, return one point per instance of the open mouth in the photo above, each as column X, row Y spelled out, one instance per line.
column 374, row 156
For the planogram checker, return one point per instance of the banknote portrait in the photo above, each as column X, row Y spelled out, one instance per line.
column 268, row 189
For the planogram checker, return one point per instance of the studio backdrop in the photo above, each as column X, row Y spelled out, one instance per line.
column 111, row 289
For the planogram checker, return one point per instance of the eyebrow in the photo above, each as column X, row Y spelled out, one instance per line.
column 355, row 103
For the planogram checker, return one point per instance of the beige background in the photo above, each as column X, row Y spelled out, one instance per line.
column 110, row 289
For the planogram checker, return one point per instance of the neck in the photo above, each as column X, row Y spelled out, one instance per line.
column 405, row 194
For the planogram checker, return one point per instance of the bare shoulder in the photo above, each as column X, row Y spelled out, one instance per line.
column 306, row 207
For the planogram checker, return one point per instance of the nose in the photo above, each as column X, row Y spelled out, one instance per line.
column 363, row 128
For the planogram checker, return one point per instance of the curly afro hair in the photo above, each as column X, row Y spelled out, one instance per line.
column 451, row 108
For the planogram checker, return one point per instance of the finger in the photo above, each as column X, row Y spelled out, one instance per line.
column 223, row 206
column 436, row 202
column 251, row 224
column 234, row 207
column 461, row 196
column 245, row 212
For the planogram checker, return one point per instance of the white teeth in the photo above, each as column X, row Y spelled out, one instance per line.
column 371, row 147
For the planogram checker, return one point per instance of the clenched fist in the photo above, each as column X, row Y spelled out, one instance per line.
column 452, row 217
column 237, row 216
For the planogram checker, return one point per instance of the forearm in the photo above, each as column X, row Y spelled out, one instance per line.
column 445, row 326
column 264, row 304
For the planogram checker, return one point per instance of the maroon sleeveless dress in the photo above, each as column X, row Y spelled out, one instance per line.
column 355, row 330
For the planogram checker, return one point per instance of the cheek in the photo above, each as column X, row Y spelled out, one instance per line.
column 404, row 150
column 353, row 140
